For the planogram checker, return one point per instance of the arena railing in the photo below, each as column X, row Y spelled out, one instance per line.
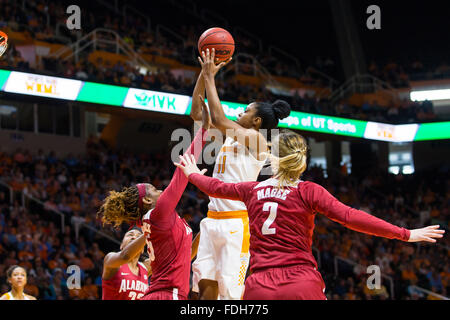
column 275, row 50
column 96, row 39
column 430, row 293
column 159, row 28
column 355, row 264
column 27, row 199
column 361, row 83
column 10, row 191
column 77, row 226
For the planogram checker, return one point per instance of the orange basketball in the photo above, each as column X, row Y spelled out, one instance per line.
column 219, row 39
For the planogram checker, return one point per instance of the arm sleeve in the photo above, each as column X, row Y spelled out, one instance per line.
column 218, row 189
column 323, row 202
column 164, row 213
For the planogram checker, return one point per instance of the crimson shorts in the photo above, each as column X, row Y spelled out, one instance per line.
column 287, row 283
column 164, row 295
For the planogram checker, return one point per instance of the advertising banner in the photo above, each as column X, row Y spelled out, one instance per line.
column 156, row 101
column 68, row 89
column 44, row 86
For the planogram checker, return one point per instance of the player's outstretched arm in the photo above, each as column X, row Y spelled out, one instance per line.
column 163, row 215
column 114, row 260
column 197, row 96
column 322, row 201
column 209, row 70
column 213, row 187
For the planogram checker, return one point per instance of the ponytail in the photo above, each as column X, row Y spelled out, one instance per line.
column 288, row 157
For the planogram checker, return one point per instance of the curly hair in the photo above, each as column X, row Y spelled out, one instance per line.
column 120, row 207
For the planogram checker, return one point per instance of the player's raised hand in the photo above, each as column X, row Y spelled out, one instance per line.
column 208, row 63
column 427, row 234
column 189, row 165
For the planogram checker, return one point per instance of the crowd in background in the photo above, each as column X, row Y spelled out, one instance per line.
column 410, row 201
column 229, row 89
column 39, row 15
column 399, row 75
column 32, row 236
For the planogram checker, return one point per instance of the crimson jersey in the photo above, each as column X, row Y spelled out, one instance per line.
column 125, row 285
column 169, row 238
column 282, row 221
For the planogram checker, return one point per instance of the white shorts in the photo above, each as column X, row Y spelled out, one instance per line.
column 223, row 253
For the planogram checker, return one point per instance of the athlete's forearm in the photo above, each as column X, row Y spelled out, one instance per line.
column 218, row 116
column 168, row 200
column 214, row 187
column 363, row 222
column 131, row 250
column 199, row 90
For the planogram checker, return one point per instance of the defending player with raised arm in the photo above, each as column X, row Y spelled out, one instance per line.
column 124, row 277
column 168, row 237
column 223, row 256
column 281, row 212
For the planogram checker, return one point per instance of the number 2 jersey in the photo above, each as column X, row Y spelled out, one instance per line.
column 125, row 285
column 282, row 220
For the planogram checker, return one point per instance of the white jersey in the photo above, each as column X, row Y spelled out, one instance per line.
column 234, row 164
column 10, row 296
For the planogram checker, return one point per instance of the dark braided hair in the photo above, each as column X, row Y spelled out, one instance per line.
column 120, row 207
column 271, row 113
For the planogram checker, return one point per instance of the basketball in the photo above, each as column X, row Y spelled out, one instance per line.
column 3, row 42
column 219, row 39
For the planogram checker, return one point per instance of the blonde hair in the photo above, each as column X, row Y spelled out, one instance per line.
column 288, row 157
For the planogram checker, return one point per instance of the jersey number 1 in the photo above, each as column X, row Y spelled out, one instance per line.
column 221, row 166
column 272, row 208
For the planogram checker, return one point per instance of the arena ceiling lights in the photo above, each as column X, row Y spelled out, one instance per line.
column 83, row 91
column 430, row 95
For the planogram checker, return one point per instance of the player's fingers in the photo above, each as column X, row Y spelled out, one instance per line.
column 427, row 239
column 213, row 54
column 182, row 160
column 228, row 61
column 437, row 231
column 200, row 60
column 185, row 161
column 221, row 65
column 435, row 234
column 203, row 171
column 193, row 159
